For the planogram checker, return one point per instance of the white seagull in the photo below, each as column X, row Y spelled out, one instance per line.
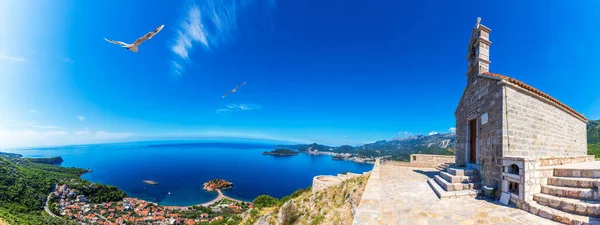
column 134, row 47
column 234, row 90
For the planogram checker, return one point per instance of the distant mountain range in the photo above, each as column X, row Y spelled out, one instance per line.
column 441, row 144
column 398, row 148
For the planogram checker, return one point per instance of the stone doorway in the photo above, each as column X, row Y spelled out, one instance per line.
column 473, row 141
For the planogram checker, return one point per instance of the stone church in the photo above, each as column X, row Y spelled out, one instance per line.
column 500, row 116
column 520, row 143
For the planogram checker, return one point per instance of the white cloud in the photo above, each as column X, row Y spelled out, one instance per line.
column 11, row 59
column 452, row 130
column 34, row 111
column 81, row 118
column 432, row 133
column 33, row 124
column 208, row 24
column 36, row 125
column 237, row 107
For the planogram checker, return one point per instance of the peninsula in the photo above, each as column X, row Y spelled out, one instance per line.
column 281, row 152
column 217, row 184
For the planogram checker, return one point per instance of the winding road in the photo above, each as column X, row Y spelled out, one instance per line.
column 46, row 206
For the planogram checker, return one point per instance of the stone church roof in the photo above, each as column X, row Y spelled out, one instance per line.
column 535, row 91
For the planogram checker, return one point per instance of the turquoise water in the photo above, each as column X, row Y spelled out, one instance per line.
column 181, row 169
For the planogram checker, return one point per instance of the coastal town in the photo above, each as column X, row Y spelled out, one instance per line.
column 69, row 203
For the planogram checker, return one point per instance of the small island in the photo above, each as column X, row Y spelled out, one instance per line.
column 150, row 182
column 217, row 184
column 281, row 152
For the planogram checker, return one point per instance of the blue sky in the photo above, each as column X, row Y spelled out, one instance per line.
column 333, row 72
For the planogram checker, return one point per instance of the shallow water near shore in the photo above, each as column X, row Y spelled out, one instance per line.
column 182, row 168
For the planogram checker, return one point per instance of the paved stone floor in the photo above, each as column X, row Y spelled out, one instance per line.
column 406, row 198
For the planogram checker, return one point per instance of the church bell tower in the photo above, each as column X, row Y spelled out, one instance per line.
column 479, row 51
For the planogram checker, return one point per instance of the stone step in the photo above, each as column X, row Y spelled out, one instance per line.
column 575, row 206
column 460, row 179
column 443, row 194
column 578, row 182
column 458, row 171
column 456, row 186
column 560, row 216
column 571, row 192
column 577, row 172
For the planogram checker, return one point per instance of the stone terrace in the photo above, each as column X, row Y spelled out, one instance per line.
column 405, row 198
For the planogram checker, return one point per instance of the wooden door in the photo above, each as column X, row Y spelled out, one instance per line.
column 473, row 141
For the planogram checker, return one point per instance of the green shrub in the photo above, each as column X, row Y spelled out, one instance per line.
column 594, row 149
column 265, row 201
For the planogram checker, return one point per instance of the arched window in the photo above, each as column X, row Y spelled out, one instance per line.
column 513, row 169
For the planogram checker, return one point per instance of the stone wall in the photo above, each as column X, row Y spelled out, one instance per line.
column 432, row 159
column 534, row 172
column 369, row 208
column 424, row 161
column 531, row 178
column 535, row 128
column 482, row 97
column 324, row 181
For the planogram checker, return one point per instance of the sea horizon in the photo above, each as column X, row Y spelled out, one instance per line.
column 181, row 168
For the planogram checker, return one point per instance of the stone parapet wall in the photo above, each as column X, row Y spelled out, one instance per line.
column 369, row 208
column 424, row 161
column 432, row 159
column 324, row 181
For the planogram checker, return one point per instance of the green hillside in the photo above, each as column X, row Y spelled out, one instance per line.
column 593, row 135
column 24, row 186
column 593, row 131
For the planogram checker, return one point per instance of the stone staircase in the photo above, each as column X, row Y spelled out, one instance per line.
column 456, row 182
column 570, row 197
column 443, row 166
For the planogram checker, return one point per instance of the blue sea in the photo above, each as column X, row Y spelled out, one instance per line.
column 182, row 168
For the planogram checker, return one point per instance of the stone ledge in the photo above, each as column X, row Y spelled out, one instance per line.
column 578, row 182
column 586, row 208
column 556, row 215
column 369, row 209
column 570, row 192
column 442, row 194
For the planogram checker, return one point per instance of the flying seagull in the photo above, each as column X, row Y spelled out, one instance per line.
column 234, row 90
column 134, row 47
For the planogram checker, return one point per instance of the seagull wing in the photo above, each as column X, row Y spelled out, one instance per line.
column 239, row 86
column 225, row 95
column 116, row 42
column 149, row 35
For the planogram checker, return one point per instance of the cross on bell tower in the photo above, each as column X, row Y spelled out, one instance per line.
column 479, row 51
